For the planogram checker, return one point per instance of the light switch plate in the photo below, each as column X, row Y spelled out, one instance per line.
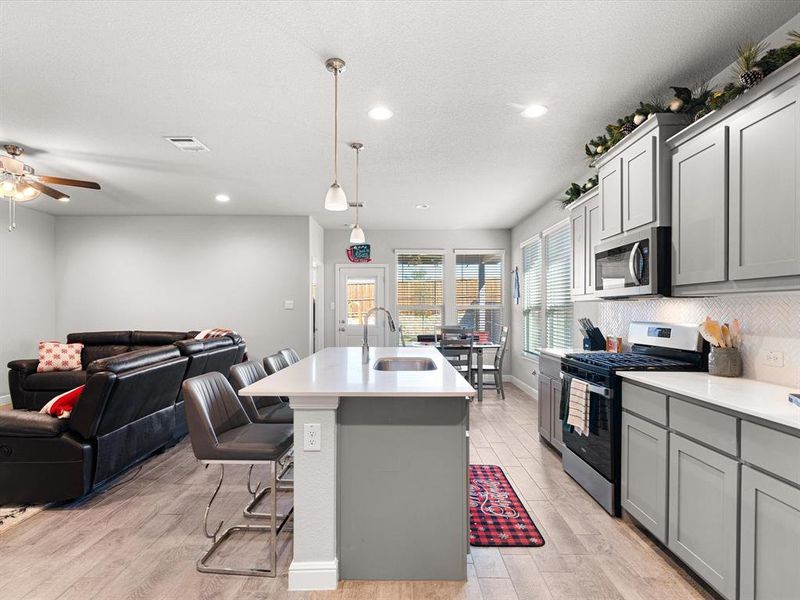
column 311, row 437
column 773, row 358
column 288, row 304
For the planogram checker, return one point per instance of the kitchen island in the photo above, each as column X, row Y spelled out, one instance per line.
column 380, row 470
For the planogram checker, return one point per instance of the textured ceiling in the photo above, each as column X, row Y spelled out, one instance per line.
column 93, row 86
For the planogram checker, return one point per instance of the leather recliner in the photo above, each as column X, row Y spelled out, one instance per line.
column 125, row 413
column 31, row 390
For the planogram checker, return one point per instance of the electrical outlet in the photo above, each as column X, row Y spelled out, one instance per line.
column 773, row 358
column 311, row 437
column 288, row 304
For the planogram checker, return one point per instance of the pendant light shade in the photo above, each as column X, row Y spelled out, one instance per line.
column 335, row 199
column 357, row 235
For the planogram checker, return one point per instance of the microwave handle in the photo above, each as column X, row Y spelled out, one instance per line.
column 632, row 263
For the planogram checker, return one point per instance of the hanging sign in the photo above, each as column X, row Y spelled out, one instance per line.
column 358, row 253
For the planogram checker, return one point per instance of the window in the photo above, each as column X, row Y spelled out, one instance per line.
column 547, row 305
column 532, row 338
column 420, row 296
column 479, row 292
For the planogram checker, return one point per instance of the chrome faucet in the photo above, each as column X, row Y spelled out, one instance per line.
column 365, row 345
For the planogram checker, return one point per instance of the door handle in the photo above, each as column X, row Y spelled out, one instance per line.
column 342, row 329
column 632, row 263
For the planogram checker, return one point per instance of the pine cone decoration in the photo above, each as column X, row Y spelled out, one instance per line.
column 751, row 78
column 627, row 128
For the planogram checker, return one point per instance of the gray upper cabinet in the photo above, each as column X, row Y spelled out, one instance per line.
column 765, row 188
column 578, row 229
column 610, row 180
column 644, row 473
column 639, row 183
column 699, row 209
column 770, row 538
column 585, row 226
column 703, row 512
column 592, row 238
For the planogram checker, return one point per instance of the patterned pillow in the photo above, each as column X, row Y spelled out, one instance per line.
column 55, row 356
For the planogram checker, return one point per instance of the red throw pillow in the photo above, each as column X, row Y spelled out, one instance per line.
column 55, row 356
column 61, row 406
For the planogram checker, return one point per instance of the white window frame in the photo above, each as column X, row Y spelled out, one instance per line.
column 502, row 306
column 440, row 307
column 542, row 238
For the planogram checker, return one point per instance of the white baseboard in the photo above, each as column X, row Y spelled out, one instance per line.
column 5, row 399
column 523, row 386
column 313, row 575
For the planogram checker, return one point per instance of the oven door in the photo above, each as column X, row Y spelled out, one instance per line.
column 626, row 266
column 597, row 448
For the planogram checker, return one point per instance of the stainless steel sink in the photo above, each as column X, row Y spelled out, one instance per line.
column 404, row 363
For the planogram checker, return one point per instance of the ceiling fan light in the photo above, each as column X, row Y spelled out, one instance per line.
column 63, row 198
column 7, row 186
column 335, row 199
column 29, row 192
column 357, row 235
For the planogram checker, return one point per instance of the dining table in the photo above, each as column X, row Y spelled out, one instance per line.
column 477, row 348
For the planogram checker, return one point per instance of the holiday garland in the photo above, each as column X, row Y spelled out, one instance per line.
column 752, row 66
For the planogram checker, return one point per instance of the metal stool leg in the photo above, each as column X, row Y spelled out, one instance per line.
column 258, row 493
column 274, row 529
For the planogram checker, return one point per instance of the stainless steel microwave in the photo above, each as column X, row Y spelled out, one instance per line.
column 634, row 264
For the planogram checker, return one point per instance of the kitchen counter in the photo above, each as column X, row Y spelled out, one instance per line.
column 746, row 397
column 364, row 439
column 340, row 372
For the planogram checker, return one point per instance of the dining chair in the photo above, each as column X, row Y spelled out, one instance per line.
column 496, row 368
column 455, row 344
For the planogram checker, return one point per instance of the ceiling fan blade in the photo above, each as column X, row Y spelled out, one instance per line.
column 74, row 182
column 53, row 193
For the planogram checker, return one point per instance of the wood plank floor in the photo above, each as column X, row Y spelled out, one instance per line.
column 140, row 539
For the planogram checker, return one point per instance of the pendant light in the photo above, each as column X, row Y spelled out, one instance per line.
column 335, row 199
column 357, row 234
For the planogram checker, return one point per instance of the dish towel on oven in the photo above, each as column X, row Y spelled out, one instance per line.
column 578, row 410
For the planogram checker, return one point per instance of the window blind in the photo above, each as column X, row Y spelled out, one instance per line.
column 479, row 292
column 558, row 300
column 532, row 296
column 420, row 296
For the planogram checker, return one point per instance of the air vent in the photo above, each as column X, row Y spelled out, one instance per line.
column 187, row 143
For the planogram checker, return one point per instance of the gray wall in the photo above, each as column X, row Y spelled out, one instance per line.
column 27, row 288
column 183, row 273
column 385, row 241
column 523, row 368
column 316, row 245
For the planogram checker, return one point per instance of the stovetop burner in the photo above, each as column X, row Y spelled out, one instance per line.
column 621, row 361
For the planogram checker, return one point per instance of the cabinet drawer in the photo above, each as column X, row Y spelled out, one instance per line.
column 708, row 426
column 771, row 450
column 647, row 403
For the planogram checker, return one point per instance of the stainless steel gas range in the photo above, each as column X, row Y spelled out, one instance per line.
column 593, row 457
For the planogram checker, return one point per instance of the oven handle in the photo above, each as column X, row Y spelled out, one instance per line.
column 632, row 263
column 593, row 388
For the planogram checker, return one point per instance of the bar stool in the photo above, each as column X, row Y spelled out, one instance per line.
column 221, row 433
column 262, row 409
column 291, row 355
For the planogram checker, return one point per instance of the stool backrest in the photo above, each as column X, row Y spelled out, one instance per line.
column 274, row 363
column 212, row 408
column 501, row 351
column 290, row 355
column 247, row 373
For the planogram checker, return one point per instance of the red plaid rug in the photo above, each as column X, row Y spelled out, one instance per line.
column 496, row 515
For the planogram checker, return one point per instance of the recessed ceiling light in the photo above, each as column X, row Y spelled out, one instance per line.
column 222, row 198
column 534, row 110
column 423, row 206
column 380, row 113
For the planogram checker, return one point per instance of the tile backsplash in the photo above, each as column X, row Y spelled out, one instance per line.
column 770, row 323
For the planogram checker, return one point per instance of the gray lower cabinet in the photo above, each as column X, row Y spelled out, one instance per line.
column 703, row 512
column 770, row 538
column 545, row 407
column 644, row 474
column 557, row 430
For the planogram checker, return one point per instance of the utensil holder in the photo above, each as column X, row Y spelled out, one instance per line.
column 725, row 362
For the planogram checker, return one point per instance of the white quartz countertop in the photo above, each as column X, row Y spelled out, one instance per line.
column 559, row 352
column 340, row 372
column 747, row 397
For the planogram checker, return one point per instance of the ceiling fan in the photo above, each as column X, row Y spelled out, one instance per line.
column 20, row 183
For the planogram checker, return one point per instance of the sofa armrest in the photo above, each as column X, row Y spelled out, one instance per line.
column 26, row 423
column 25, row 366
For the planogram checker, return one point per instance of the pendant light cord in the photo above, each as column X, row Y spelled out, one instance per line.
column 358, row 152
column 336, row 126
